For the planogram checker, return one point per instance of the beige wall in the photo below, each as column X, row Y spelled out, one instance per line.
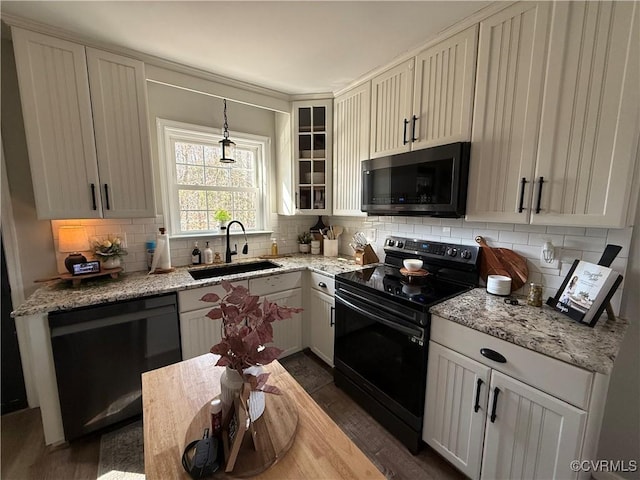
column 620, row 435
column 187, row 106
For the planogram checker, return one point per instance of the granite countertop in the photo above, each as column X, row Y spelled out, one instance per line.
column 62, row 296
column 542, row 330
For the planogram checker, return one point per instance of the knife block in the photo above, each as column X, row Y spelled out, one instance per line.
column 366, row 256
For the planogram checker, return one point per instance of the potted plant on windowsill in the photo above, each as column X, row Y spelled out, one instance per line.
column 222, row 217
column 304, row 241
column 246, row 330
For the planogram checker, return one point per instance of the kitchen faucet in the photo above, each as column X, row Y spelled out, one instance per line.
column 245, row 249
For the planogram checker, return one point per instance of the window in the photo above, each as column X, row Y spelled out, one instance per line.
column 197, row 184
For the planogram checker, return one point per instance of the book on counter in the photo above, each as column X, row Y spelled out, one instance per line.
column 585, row 292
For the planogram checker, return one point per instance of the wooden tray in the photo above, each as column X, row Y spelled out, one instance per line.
column 77, row 279
column 417, row 273
column 275, row 432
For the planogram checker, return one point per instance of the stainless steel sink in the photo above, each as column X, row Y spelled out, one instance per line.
column 221, row 271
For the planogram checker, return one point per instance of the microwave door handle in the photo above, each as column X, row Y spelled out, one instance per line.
column 382, row 320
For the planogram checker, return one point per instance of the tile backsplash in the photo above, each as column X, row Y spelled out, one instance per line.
column 571, row 242
column 527, row 240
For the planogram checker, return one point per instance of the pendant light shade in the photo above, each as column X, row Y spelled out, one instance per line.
column 227, row 146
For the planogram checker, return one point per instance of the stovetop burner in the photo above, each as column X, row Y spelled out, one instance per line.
column 452, row 270
column 420, row 291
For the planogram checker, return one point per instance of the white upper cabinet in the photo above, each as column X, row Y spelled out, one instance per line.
column 351, row 113
column 391, row 103
column 590, row 115
column 556, row 115
column 120, row 119
column 425, row 101
column 77, row 173
column 443, row 91
column 312, row 156
column 56, row 107
column 506, row 116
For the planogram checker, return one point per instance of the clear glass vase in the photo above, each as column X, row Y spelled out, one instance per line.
column 230, row 385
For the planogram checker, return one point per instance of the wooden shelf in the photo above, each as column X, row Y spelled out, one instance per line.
column 77, row 279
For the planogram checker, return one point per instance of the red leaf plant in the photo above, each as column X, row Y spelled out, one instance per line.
column 246, row 329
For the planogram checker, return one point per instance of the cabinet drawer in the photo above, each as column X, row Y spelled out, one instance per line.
column 189, row 300
column 564, row 381
column 323, row 283
column 275, row 283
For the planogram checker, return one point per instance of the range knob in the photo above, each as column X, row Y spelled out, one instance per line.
column 466, row 254
column 400, row 244
column 452, row 251
column 391, row 243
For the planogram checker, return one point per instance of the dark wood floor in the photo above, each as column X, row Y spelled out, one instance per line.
column 25, row 457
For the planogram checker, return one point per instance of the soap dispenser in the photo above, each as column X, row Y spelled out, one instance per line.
column 208, row 255
column 274, row 247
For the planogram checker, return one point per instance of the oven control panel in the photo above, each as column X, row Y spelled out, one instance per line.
column 426, row 248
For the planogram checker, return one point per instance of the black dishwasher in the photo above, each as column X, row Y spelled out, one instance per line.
column 100, row 353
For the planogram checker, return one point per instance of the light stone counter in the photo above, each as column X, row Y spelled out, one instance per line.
column 542, row 330
column 61, row 296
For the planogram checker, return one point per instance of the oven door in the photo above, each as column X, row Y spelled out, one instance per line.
column 383, row 354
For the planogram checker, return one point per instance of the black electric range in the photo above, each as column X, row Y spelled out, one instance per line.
column 382, row 328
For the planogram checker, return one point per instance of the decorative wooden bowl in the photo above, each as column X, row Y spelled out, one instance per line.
column 416, row 273
column 275, row 432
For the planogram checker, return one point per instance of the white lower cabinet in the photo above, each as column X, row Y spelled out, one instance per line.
column 286, row 290
column 321, row 325
column 452, row 425
column 491, row 425
column 198, row 333
column 287, row 334
column 531, row 435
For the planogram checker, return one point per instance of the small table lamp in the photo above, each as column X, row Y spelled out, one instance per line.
column 73, row 240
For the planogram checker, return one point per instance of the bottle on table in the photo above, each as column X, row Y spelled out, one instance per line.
column 196, row 255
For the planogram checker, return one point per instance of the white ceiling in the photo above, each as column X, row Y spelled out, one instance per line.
column 291, row 47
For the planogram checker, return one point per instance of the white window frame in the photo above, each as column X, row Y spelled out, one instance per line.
column 170, row 131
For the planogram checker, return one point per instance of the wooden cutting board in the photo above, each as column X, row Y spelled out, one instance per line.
column 502, row 261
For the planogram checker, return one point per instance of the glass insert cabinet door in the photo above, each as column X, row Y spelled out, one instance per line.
column 312, row 137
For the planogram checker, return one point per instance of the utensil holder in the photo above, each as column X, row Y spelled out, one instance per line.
column 366, row 256
column 330, row 248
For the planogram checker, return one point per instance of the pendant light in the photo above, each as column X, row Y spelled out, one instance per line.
column 227, row 146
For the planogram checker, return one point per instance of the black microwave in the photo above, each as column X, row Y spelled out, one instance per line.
column 429, row 182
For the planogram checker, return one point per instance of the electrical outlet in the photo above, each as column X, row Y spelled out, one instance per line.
column 371, row 234
column 553, row 265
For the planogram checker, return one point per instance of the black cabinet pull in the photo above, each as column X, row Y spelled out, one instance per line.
column 332, row 321
column 493, row 355
column 496, row 391
column 476, row 407
column 93, row 196
column 523, row 182
column 106, row 196
column 541, row 181
column 322, row 285
column 413, row 129
column 404, row 133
